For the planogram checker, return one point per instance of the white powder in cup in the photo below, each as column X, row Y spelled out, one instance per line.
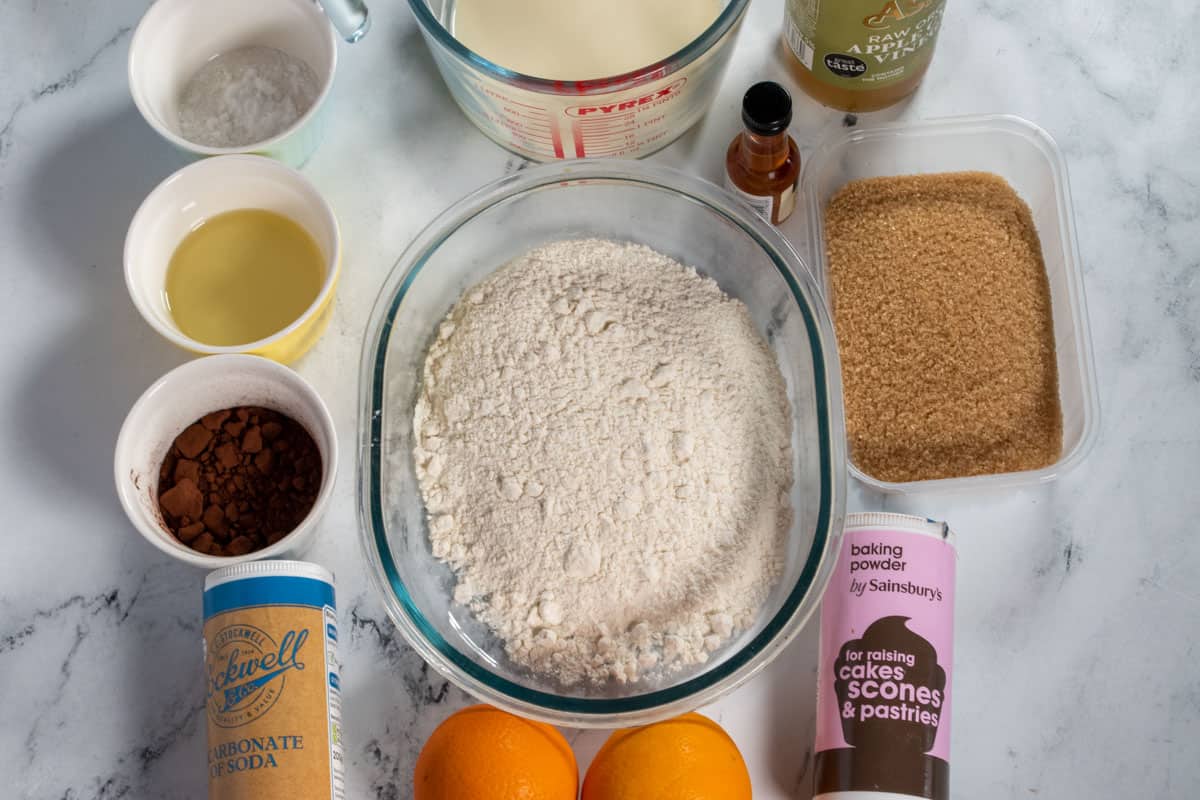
column 246, row 96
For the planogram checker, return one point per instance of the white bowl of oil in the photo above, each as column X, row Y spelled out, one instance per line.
column 235, row 254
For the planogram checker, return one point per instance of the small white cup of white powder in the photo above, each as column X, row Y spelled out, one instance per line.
column 226, row 76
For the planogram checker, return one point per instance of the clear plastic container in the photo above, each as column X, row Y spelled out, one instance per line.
column 629, row 115
column 1025, row 156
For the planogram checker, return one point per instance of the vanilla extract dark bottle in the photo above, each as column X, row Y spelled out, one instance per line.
column 762, row 164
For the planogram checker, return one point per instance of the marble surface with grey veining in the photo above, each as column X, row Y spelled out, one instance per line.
column 1078, row 619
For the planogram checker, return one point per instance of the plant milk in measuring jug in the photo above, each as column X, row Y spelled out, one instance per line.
column 579, row 40
column 576, row 47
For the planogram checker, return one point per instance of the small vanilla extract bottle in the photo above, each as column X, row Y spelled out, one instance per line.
column 762, row 164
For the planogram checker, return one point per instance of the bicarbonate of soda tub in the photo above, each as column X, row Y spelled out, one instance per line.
column 273, row 696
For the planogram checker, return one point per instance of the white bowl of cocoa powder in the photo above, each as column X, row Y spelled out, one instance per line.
column 220, row 437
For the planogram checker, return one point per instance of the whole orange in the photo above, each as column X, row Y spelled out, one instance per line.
column 686, row 758
column 483, row 753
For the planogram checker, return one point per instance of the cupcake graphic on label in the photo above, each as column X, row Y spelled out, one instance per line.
column 890, row 688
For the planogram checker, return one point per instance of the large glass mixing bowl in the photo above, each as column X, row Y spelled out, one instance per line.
column 633, row 114
column 693, row 222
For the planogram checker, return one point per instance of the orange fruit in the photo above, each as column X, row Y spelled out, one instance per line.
column 686, row 758
column 483, row 753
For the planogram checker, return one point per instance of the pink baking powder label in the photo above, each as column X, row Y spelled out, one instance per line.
column 887, row 631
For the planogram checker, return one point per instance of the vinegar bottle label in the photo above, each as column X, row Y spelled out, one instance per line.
column 863, row 45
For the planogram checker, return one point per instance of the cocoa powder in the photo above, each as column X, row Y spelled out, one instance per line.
column 237, row 480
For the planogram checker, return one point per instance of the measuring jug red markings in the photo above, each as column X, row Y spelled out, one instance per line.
column 628, row 81
column 625, row 105
column 596, row 123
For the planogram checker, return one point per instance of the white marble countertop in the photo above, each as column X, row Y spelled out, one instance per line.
column 1078, row 619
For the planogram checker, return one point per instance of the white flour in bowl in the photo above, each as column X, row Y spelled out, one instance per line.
column 603, row 443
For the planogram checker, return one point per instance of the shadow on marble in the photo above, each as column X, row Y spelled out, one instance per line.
column 791, row 721
column 86, row 190
column 126, row 683
column 162, row 688
column 71, row 396
column 417, row 65
column 395, row 699
column 81, row 382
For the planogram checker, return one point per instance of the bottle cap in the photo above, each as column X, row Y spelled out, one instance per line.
column 767, row 108
column 254, row 569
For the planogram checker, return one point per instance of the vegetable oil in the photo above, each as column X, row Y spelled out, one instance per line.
column 242, row 276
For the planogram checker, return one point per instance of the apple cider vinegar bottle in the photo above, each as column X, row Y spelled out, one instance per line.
column 860, row 55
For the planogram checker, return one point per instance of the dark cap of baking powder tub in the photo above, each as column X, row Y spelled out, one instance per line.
column 767, row 108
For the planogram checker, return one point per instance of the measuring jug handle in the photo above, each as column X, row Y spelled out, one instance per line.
column 349, row 17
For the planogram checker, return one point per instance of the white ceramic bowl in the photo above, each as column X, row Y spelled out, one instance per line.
column 176, row 37
column 210, row 187
column 181, row 397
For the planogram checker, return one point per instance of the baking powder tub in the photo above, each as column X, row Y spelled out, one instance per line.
column 883, row 686
column 274, row 693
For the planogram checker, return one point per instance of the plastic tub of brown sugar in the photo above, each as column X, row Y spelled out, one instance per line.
column 1027, row 158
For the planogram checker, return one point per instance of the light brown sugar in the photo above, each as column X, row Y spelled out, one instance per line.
column 942, row 310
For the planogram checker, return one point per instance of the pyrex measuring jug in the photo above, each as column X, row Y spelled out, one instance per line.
column 632, row 114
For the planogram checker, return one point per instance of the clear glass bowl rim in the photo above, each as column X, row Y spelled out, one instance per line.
column 730, row 15
column 800, row 601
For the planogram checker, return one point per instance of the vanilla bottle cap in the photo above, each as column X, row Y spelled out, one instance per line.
column 767, row 108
